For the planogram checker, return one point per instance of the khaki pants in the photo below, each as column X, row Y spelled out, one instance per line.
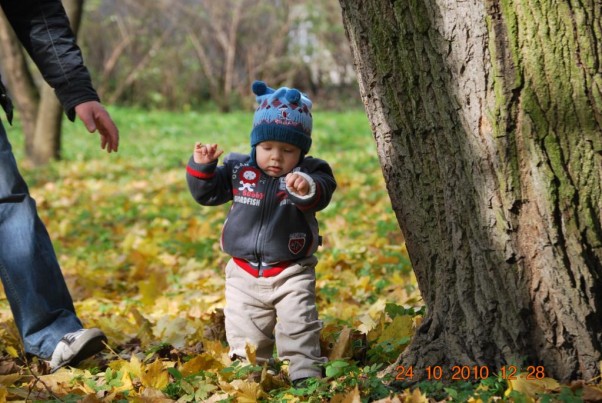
column 280, row 309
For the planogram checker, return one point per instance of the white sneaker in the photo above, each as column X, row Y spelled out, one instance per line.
column 77, row 346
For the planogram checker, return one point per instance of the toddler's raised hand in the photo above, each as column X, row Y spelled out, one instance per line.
column 206, row 153
column 297, row 184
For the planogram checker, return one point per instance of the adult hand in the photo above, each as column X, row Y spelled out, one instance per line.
column 95, row 117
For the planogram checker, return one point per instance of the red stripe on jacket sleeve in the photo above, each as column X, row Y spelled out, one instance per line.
column 199, row 174
column 317, row 196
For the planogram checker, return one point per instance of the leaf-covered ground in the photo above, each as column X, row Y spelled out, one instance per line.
column 143, row 263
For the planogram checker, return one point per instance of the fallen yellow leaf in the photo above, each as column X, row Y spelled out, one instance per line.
column 416, row 397
column 202, row 362
column 7, row 380
column 402, row 326
column 251, row 353
column 351, row 397
column 151, row 395
column 155, row 376
column 247, row 392
column 531, row 387
column 12, row 351
column 341, row 345
column 133, row 368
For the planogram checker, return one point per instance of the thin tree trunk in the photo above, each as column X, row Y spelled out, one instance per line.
column 23, row 90
column 133, row 75
column 230, row 51
column 47, row 136
column 487, row 120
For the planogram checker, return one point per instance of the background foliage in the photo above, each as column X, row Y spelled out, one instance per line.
column 195, row 53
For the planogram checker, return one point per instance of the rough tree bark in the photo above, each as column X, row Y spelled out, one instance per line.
column 487, row 116
column 47, row 135
column 40, row 111
column 21, row 83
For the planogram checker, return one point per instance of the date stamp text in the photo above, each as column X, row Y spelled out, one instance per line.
column 467, row 373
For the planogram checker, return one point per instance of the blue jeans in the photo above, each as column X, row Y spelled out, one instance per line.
column 39, row 299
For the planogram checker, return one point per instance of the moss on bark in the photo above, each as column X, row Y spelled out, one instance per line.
column 487, row 130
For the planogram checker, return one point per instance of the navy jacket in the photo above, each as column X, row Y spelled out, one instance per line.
column 44, row 30
column 266, row 223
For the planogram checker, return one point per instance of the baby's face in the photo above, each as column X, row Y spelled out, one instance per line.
column 276, row 158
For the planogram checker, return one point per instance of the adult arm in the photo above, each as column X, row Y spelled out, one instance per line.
column 43, row 28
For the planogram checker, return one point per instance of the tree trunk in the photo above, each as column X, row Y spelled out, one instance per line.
column 47, row 135
column 46, row 143
column 487, row 117
column 40, row 111
column 22, row 87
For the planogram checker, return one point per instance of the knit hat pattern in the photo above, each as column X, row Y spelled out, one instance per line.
column 282, row 115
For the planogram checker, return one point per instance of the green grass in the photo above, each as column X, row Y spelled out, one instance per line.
column 148, row 137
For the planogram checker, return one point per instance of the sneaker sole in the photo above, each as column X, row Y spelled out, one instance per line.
column 87, row 345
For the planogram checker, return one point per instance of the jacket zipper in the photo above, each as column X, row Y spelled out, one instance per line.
column 264, row 212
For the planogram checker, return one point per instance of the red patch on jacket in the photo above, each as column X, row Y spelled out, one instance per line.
column 296, row 243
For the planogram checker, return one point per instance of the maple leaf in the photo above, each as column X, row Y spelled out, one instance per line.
column 402, row 326
column 220, row 352
column 202, row 362
column 350, row 397
column 247, row 392
column 152, row 395
column 367, row 324
column 155, row 375
column 172, row 331
column 251, row 353
column 59, row 382
column 375, row 326
column 531, row 387
column 217, row 397
column 269, row 382
column 342, row 346
column 416, row 397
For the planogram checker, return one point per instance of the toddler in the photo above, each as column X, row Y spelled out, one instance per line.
column 271, row 231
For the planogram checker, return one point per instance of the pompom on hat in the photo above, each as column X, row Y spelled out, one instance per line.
column 282, row 115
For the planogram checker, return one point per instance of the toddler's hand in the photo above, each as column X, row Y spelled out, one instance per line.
column 297, row 183
column 206, row 153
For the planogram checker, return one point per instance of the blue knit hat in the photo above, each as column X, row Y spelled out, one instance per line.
column 282, row 115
